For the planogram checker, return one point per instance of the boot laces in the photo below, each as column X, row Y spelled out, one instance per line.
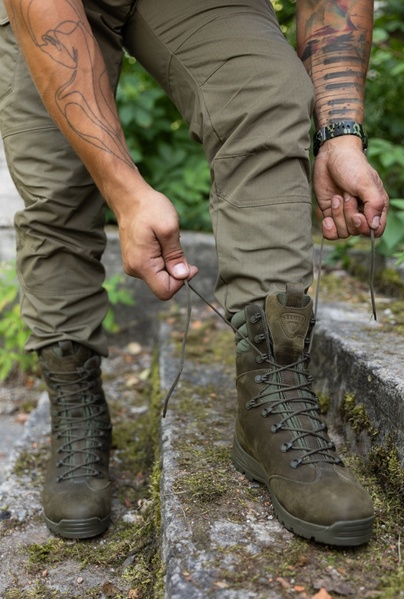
column 79, row 424
column 305, row 385
column 290, row 411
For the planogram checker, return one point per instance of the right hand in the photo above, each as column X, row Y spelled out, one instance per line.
column 150, row 244
column 348, row 190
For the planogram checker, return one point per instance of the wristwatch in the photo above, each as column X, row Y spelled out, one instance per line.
column 336, row 130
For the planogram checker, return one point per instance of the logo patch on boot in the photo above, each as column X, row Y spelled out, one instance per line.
column 292, row 323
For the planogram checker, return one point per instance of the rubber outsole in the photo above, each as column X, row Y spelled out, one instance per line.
column 79, row 529
column 343, row 533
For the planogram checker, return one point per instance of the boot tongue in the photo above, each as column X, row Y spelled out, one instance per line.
column 288, row 317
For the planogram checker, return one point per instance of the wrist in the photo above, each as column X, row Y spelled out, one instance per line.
column 123, row 189
column 338, row 129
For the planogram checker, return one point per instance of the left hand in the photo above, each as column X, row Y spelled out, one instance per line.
column 349, row 191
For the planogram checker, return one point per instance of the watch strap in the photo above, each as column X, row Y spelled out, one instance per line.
column 336, row 130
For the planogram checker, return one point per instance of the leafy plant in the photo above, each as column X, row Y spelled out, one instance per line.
column 116, row 295
column 384, row 116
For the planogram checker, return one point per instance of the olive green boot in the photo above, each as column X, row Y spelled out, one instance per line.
column 281, row 439
column 77, row 490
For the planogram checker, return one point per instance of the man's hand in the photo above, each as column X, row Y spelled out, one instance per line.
column 150, row 243
column 349, row 191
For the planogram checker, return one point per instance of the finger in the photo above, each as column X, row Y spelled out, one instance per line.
column 375, row 203
column 354, row 218
column 338, row 216
column 329, row 229
column 165, row 284
column 177, row 265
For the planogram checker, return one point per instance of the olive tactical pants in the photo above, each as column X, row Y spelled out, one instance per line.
column 246, row 98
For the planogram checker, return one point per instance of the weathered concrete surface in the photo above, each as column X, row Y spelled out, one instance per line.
column 210, row 530
column 353, row 354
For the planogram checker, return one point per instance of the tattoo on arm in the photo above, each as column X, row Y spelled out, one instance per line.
column 84, row 98
column 334, row 38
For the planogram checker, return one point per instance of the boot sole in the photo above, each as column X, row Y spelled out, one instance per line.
column 343, row 533
column 79, row 529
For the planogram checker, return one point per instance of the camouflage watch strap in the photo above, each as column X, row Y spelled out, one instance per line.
column 336, row 130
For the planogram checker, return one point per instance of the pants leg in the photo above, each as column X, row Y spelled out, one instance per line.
column 60, row 237
column 248, row 100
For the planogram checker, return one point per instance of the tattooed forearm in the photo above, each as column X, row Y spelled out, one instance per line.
column 78, row 86
column 334, row 39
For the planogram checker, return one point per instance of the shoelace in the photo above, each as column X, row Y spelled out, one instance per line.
column 190, row 288
column 87, row 430
column 290, row 407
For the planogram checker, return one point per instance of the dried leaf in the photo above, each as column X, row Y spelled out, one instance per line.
column 322, row 594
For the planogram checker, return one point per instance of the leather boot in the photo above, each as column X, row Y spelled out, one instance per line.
column 77, row 491
column 281, row 439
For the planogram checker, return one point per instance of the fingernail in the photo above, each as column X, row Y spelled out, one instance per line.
column 180, row 270
column 328, row 223
column 335, row 202
column 357, row 222
column 376, row 222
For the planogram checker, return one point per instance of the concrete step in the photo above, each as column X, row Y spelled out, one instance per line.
column 219, row 535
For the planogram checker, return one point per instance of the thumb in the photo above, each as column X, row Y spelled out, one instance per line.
column 176, row 263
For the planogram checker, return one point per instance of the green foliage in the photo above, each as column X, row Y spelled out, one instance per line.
column 385, row 117
column 160, row 146
column 14, row 332
column 116, row 295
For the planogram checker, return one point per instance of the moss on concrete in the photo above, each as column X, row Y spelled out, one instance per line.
column 357, row 416
column 384, row 463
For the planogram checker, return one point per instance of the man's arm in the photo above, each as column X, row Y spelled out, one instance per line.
column 68, row 69
column 334, row 40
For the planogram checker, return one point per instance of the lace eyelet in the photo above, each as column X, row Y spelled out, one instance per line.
column 255, row 317
column 285, row 447
column 295, row 463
